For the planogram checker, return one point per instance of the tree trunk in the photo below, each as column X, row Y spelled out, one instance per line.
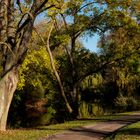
column 8, row 86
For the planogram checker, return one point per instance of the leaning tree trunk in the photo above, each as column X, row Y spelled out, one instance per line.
column 53, row 66
column 8, row 85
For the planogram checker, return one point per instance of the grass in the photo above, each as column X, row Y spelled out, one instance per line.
column 44, row 131
column 128, row 113
column 130, row 132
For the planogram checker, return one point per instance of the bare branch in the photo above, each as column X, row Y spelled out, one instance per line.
column 19, row 5
column 33, row 11
column 64, row 20
column 40, row 6
column 46, row 8
column 79, row 10
column 27, row 13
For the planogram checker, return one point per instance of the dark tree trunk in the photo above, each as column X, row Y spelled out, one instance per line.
column 74, row 86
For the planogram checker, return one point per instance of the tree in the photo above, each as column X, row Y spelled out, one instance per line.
column 79, row 17
column 14, row 38
column 85, row 18
column 121, row 48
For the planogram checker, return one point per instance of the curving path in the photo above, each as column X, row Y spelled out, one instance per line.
column 97, row 131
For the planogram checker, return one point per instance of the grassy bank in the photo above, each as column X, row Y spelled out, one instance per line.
column 44, row 131
column 130, row 132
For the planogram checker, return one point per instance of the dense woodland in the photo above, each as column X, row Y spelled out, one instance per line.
column 47, row 74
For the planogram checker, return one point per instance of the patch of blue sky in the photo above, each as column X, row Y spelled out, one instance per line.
column 91, row 43
column 40, row 17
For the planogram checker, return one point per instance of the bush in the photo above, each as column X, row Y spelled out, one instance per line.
column 125, row 103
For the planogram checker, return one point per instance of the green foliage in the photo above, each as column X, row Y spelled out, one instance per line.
column 126, row 103
column 48, row 117
column 36, row 62
column 35, row 91
column 93, row 81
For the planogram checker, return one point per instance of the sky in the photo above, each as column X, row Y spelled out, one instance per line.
column 91, row 43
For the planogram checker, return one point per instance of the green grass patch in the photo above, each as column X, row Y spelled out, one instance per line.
column 45, row 131
column 130, row 132
column 42, row 131
column 129, row 113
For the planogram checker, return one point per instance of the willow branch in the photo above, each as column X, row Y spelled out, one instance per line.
column 106, row 64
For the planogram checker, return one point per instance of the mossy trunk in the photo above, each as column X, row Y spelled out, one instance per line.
column 8, row 85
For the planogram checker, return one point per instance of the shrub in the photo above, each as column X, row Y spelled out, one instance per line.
column 126, row 103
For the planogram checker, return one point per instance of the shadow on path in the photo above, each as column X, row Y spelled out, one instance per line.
column 97, row 131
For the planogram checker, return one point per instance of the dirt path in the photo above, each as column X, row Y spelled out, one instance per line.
column 97, row 131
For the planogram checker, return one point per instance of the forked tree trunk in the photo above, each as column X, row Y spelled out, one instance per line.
column 14, row 38
column 8, row 85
